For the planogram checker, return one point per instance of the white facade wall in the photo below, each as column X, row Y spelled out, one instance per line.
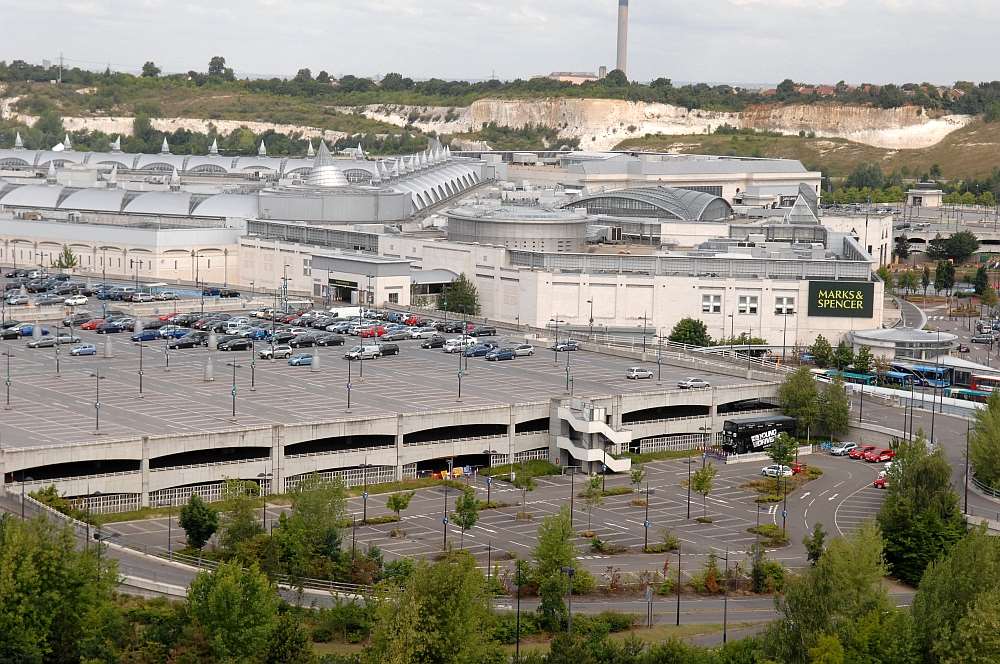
column 873, row 234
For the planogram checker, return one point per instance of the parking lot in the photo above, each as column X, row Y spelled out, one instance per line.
column 50, row 406
column 841, row 499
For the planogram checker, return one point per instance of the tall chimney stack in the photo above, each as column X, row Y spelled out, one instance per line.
column 623, row 36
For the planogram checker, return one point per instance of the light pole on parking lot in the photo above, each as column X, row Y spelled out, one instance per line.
column 253, row 367
column 96, row 375
column 659, row 359
column 364, row 495
column 591, row 322
column 348, row 385
column 6, row 379
column 645, row 521
column 235, row 366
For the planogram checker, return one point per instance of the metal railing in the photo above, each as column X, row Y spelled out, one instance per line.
column 352, row 450
column 757, row 411
column 210, row 463
column 448, row 441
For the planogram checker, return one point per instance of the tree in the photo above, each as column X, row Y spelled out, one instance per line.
column 637, row 475
column 781, row 451
column 289, row 642
column 815, row 544
column 984, row 445
column 303, row 76
column 616, row 78
column 957, row 247
column 690, row 331
column 920, row 518
column 863, row 360
column 902, row 249
column 989, row 297
column 217, row 66
column 395, row 81
column 235, row 609
column 67, row 260
column 843, row 356
column 885, row 274
column 50, row 125
column 834, row 408
column 981, row 280
column 702, row 482
column 240, row 519
column 461, row 296
column 54, row 594
column 951, row 588
column 466, row 512
column 398, row 502
column 925, row 279
column 977, row 637
column 150, row 70
column 442, row 615
column 199, row 521
column 907, row 281
column 866, row 176
column 323, row 77
column 944, row 276
column 798, row 398
column 827, row 650
column 842, row 589
column 593, row 497
column 822, row 352
column 554, row 554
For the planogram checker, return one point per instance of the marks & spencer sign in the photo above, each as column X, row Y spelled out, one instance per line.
column 841, row 299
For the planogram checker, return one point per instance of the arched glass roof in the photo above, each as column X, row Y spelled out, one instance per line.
column 656, row 202
column 174, row 203
column 33, row 196
column 100, row 200
column 227, row 205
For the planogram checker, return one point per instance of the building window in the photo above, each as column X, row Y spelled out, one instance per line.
column 747, row 304
column 711, row 304
column 394, row 298
column 784, row 305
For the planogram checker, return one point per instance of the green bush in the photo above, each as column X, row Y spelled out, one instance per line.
column 350, row 622
column 399, row 571
column 668, row 542
column 376, row 520
column 584, row 582
column 667, row 587
column 533, row 468
column 505, row 626
column 600, row 624
column 771, row 534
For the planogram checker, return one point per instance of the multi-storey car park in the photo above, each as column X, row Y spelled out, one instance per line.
column 177, row 436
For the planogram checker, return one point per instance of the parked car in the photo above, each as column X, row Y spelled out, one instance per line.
column 146, row 335
column 693, row 383
column 75, row 300
column 143, row 297
column 387, row 349
column 302, row 341
column 437, row 341
column 167, row 295
column 92, row 324
column 860, row 452
column 879, row 455
column 799, row 467
column 567, row 345
column 458, row 345
column 83, row 349
column 881, row 481
column 982, row 339
column 638, row 373
column 187, row 341
column 14, row 300
column 9, row 334
column 240, row 343
column 369, row 352
column 77, row 319
column 479, row 350
column 50, row 341
column 776, row 471
column 484, row 331
column 280, row 351
column 962, row 348
column 524, row 350
column 329, row 340
column 371, row 331
column 396, row 335
column 28, row 329
column 500, row 354
column 842, row 448
column 453, row 327
column 422, row 332
column 300, row 360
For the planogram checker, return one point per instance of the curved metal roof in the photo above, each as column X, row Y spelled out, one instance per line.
column 33, row 196
column 209, row 163
column 174, row 203
column 682, row 204
column 111, row 158
column 257, row 163
column 44, row 157
column 164, row 162
column 99, row 200
column 227, row 205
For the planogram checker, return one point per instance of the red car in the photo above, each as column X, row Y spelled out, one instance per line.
column 92, row 324
column 798, row 467
column 373, row 331
column 860, row 452
column 880, row 481
column 879, row 455
column 411, row 320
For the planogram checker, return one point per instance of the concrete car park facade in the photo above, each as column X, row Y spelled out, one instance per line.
column 404, row 419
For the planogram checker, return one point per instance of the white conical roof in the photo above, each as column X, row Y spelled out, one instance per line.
column 310, row 152
column 112, row 178
column 165, row 147
column 324, row 172
column 51, row 175
column 214, row 147
column 262, row 150
column 175, row 178
column 18, row 143
column 67, row 144
column 116, row 145
column 361, row 152
column 396, row 168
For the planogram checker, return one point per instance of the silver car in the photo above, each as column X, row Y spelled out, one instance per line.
column 524, row 350
column 49, row 342
column 692, row 383
column 637, row 373
column 363, row 353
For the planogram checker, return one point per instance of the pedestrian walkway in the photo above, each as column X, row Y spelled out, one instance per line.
column 913, row 316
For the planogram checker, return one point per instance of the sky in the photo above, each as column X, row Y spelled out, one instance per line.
column 736, row 41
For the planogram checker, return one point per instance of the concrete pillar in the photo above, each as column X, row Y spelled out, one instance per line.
column 399, row 447
column 555, row 429
column 277, row 459
column 144, row 467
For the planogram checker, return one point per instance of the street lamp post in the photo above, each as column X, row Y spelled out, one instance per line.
column 96, row 375
column 444, row 519
column 732, row 334
column 263, row 508
column 235, row 366
column 364, row 495
column 591, row 303
column 644, row 320
column 6, row 379
column 645, row 522
column 659, row 359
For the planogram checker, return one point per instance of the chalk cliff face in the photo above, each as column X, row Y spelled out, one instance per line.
column 602, row 123
column 598, row 123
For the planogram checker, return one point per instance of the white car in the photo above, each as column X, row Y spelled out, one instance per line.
column 842, row 449
column 776, row 471
column 522, row 350
column 422, row 332
column 637, row 373
column 457, row 345
column 363, row 353
column 280, row 351
column 693, row 384
column 75, row 300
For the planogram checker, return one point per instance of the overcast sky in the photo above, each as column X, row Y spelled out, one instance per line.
column 749, row 41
